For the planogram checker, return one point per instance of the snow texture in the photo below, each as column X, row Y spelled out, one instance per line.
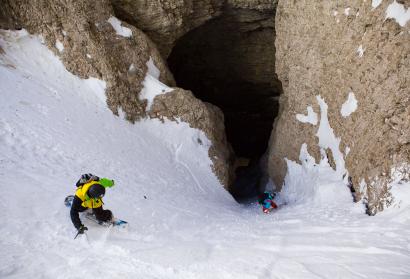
column 376, row 3
column 119, row 29
column 304, row 183
column 347, row 151
column 398, row 12
column 152, row 86
column 360, row 51
column 311, row 117
column 327, row 139
column 54, row 126
column 59, row 46
column 152, row 69
column 349, row 106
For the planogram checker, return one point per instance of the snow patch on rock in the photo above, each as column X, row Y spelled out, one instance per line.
column 119, row 29
column 152, row 86
column 59, row 46
column 152, row 69
column 398, row 12
column 327, row 139
column 302, row 180
column 360, row 51
column 376, row 3
column 349, row 106
column 347, row 151
column 363, row 187
column 311, row 117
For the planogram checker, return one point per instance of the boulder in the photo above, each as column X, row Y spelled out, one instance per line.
column 181, row 104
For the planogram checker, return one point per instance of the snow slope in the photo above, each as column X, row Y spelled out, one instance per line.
column 183, row 224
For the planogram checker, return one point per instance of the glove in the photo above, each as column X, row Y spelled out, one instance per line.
column 106, row 182
column 274, row 205
column 82, row 229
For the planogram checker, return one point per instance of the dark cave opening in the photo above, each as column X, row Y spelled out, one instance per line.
column 230, row 62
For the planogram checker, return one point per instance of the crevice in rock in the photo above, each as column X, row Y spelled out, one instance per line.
column 230, row 62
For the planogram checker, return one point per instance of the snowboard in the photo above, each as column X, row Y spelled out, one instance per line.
column 68, row 201
column 114, row 222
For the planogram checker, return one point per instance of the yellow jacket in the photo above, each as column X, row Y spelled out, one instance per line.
column 87, row 201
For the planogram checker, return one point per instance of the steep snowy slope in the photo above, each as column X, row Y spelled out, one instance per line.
column 183, row 224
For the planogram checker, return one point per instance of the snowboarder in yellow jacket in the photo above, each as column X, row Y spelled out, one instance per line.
column 89, row 194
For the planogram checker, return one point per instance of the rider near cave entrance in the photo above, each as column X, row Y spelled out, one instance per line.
column 266, row 201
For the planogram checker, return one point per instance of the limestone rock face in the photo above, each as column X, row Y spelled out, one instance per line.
column 345, row 52
column 259, row 5
column 204, row 116
column 164, row 21
column 80, row 33
column 91, row 42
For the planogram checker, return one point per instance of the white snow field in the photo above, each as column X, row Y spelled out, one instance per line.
column 55, row 126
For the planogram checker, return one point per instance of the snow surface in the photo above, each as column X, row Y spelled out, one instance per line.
column 328, row 140
column 152, row 86
column 360, row 51
column 119, row 29
column 398, row 12
column 59, row 46
column 183, row 224
column 376, row 3
column 311, row 117
column 347, row 151
column 349, row 106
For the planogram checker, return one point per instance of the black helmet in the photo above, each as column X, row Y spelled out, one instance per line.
column 96, row 191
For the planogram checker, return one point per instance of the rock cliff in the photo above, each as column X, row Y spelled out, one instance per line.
column 355, row 57
column 92, row 42
column 166, row 21
column 83, row 35
column 345, row 62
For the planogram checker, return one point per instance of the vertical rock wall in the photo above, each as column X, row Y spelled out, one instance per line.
column 347, row 52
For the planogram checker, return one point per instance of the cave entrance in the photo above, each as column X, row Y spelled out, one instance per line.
column 230, row 62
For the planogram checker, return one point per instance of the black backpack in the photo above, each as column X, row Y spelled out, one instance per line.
column 87, row 177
